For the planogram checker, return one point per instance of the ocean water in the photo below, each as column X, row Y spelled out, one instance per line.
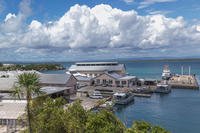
column 179, row 111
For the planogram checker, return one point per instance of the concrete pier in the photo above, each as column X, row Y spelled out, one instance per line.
column 184, row 81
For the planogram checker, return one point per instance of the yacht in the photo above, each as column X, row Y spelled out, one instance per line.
column 96, row 95
column 166, row 74
column 123, row 98
column 163, row 88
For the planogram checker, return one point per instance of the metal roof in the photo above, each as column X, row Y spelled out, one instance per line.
column 118, row 67
column 115, row 75
column 7, row 83
column 12, row 109
column 128, row 77
column 83, row 78
column 51, row 89
column 54, row 78
column 81, row 63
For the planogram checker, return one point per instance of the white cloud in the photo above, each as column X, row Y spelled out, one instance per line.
column 128, row 1
column 84, row 31
column 163, row 12
column 147, row 3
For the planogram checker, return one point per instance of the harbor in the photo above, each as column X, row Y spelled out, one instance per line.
column 107, row 85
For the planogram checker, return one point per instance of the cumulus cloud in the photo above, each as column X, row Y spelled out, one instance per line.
column 95, row 32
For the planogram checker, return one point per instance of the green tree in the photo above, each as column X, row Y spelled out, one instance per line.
column 104, row 122
column 48, row 115
column 145, row 127
column 75, row 118
column 27, row 86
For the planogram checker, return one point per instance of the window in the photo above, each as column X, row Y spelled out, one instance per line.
column 117, row 82
column 123, row 82
column 104, row 81
column 98, row 81
column 110, row 81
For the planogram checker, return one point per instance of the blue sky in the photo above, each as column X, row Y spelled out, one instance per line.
column 45, row 10
column 49, row 30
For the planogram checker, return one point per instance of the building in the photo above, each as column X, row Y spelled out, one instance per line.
column 10, row 111
column 93, row 69
column 83, row 81
column 114, row 80
column 60, row 81
column 6, row 84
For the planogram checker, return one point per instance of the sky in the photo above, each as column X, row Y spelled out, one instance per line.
column 68, row 30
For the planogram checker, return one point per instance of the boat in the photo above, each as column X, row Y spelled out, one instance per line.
column 123, row 98
column 166, row 74
column 96, row 95
column 163, row 88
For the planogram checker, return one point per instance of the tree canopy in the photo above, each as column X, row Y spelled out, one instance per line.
column 145, row 127
column 51, row 116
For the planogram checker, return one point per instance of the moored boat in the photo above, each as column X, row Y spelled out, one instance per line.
column 166, row 74
column 163, row 88
column 123, row 98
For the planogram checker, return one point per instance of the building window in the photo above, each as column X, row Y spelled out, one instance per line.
column 123, row 82
column 110, row 81
column 104, row 81
column 117, row 82
column 98, row 81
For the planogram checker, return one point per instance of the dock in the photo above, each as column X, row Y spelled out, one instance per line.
column 142, row 95
column 184, row 82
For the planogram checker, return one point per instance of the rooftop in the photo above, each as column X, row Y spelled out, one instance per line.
column 118, row 67
column 7, row 83
column 83, row 78
column 54, row 78
column 96, row 63
column 127, row 77
column 51, row 89
column 12, row 109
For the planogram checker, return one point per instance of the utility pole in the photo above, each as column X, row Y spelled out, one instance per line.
column 189, row 70
column 181, row 70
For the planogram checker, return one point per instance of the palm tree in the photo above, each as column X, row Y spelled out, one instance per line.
column 26, row 87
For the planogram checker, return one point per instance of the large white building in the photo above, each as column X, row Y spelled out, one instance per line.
column 93, row 69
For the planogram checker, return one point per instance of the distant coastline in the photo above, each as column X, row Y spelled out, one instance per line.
column 144, row 59
column 167, row 60
column 37, row 67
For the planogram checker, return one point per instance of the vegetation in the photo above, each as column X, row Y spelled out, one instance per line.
column 145, row 127
column 51, row 116
column 38, row 67
column 27, row 86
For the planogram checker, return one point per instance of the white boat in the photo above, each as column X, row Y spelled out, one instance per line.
column 166, row 74
column 96, row 95
column 123, row 98
column 163, row 88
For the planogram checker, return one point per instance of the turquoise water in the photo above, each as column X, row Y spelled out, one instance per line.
column 179, row 111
